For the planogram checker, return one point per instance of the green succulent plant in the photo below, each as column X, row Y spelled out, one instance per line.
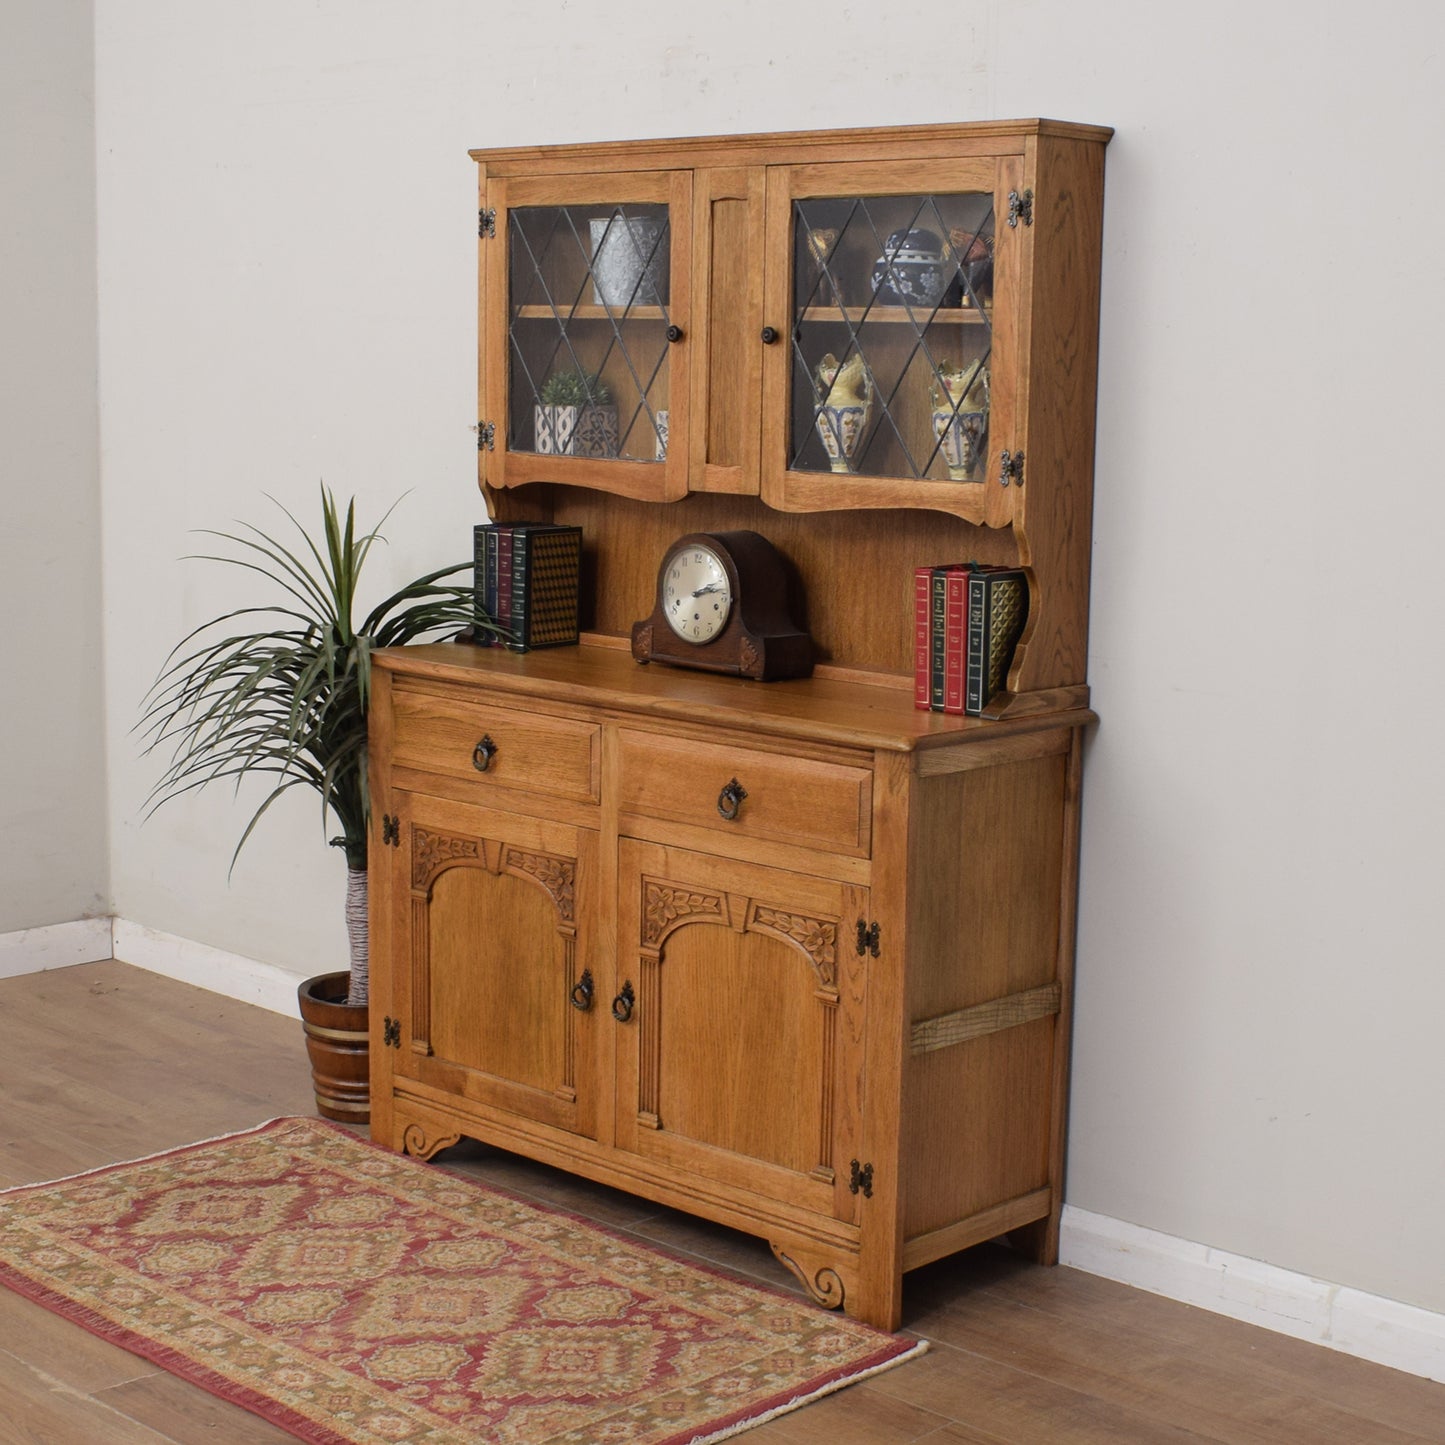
column 283, row 688
column 575, row 388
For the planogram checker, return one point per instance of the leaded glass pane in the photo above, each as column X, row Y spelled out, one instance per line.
column 587, row 334
column 892, row 334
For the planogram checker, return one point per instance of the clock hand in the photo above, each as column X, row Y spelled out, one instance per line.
column 711, row 587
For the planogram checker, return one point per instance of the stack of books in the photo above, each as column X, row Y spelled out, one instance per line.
column 526, row 584
column 967, row 617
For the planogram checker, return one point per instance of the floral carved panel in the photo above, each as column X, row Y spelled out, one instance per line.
column 557, row 877
column 666, row 905
column 817, row 937
column 431, row 853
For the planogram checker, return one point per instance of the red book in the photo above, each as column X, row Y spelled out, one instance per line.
column 922, row 630
column 955, row 636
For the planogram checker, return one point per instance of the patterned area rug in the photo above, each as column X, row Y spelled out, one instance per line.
column 353, row 1296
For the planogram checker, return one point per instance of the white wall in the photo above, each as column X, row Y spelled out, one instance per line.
column 287, row 279
column 53, row 843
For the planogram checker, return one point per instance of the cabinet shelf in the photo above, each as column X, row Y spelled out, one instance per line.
column 835, row 315
column 590, row 312
column 897, row 316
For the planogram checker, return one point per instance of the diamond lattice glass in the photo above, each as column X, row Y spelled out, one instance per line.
column 587, row 330
column 892, row 333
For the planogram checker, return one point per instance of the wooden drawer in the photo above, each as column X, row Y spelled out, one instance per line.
column 788, row 800
column 529, row 752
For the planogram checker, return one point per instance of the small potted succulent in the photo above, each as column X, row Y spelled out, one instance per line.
column 574, row 415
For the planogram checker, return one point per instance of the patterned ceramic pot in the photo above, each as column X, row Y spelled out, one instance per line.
column 911, row 272
column 629, row 261
column 841, row 428
column 659, row 423
column 960, row 439
column 576, row 431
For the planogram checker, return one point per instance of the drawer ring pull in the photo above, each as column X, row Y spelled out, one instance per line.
column 582, row 992
column 483, row 754
column 622, row 1004
column 731, row 799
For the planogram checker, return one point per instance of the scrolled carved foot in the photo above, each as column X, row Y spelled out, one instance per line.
column 418, row 1143
column 823, row 1284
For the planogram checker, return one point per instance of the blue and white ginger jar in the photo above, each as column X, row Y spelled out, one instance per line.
column 911, row 272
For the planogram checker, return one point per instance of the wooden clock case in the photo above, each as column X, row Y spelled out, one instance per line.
column 760, row 639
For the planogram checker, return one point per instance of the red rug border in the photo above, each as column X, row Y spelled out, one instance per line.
column 895, row 1350
column 168, row 1360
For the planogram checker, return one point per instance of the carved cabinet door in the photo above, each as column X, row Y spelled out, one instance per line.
column 739, row 1025
column 493, row 915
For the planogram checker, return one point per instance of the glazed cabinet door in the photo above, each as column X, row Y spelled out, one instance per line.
column 739, row 1013
column 894, row 291
column 491, row 998
column 585, row 322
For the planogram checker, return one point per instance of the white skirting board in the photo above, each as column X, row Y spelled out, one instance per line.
column 248, row 979
column 58, row 945
column 93, row 940
column 1371, row 1327
column 1368, row 1326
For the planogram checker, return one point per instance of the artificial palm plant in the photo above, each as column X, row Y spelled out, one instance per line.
column 290, row 698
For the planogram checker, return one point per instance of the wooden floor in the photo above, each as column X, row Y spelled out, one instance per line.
column 1018, row 1353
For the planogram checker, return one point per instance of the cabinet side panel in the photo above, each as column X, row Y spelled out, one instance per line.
column 483, row 259
column 984, row 944
column 987, row 869
column 976, row 1125
column 386, row 894
column 1057, row 499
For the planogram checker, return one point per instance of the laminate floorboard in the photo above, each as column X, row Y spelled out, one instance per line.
column 104, row 1062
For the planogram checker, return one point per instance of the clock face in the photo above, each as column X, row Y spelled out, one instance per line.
column 697, row 597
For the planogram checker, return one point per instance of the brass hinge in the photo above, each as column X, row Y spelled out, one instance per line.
column 487, row 224
column 390, row 831
column 1020, row 207
column 1011, row 469
column 486, row 436
column 391, row 1033
column 860, row 1178
column 867, row 938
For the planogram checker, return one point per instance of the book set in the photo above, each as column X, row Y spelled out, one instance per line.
column 526, row 584
column 967, row 618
